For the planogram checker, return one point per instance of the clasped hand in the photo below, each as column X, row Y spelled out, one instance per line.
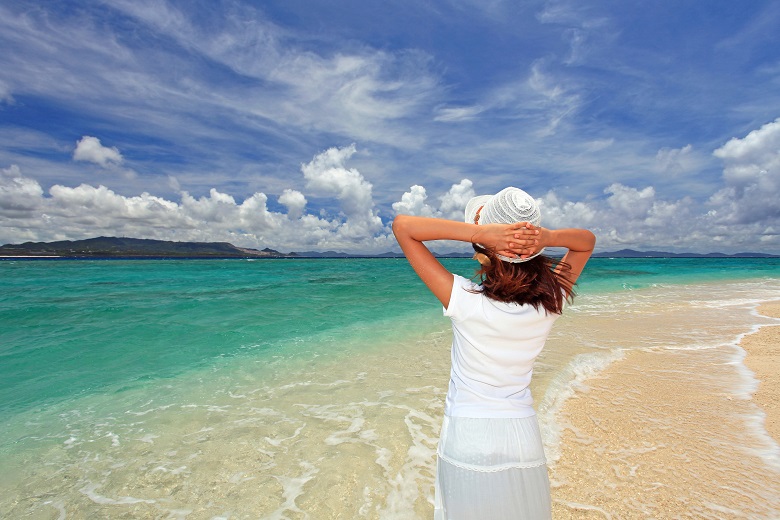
column 521, row 239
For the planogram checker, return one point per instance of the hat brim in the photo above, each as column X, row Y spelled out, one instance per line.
column 473, row 205
column 519, row 260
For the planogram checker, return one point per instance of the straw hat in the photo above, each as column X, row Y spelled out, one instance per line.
column 508, row 206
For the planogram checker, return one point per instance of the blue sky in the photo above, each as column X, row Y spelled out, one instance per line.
column 302, row 125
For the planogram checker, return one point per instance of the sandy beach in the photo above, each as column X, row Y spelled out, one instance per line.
column 763, row 358
column 668, row 434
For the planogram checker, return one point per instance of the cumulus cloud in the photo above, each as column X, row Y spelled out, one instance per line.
column 89, row 149
column 630, row 203
column 86, row 211
column 454, row 201
column 27, row 212
column 742, row 216
column 559, row 213
column 759, row 146
column 327, row 174
column 294, row 201
column 451, row 203
column 626, row 217
column 413, row 202
column 18, row 195
column 752, row 177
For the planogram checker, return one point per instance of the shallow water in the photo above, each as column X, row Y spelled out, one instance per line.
column 225, row 390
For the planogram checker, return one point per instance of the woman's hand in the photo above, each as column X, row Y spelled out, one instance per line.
column 520, row 239
column 579, row 242
column 536, row 238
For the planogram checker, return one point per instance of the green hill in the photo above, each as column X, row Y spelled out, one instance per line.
column 107, row 247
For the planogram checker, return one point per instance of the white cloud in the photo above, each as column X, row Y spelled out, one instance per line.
column 557, row 100
column 216, row 208
column 327, row 174
column 453, row 114
column 630, row 203
column 89, row 149
column 358, row 92
column 294, row 201
column 260, row 80
column 18, row 195
column 360, row 95
column 413, row 203
column 676, row 160
column 623, row 217
column 752, row 178
column 451, row 203
column 638, row 219
column 5, row 93
column 598, row 144
column 558, row 213
column 759, row 148
column 85, row 211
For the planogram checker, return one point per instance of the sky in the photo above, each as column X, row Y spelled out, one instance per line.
column 304, row 125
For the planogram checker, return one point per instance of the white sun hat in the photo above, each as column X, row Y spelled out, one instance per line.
column 508, row 206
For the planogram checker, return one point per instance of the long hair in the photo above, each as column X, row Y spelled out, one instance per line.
column 533, row 282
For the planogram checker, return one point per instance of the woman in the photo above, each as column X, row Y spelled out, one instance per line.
column 491, row 462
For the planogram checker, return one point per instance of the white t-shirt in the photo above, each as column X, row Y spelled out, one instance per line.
column 494, row 345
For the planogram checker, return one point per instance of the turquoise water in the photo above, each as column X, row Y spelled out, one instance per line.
column 614, row 274
column 70, row 328
column 74, row 327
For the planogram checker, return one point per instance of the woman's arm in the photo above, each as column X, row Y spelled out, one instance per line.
column 510, row 240
column 579, row 242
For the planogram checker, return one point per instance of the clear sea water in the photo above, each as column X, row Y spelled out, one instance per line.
column 267, row 388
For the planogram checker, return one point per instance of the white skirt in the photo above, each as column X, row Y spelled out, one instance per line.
column 491, row 469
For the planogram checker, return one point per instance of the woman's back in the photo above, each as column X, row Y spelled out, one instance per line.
column 493, row 351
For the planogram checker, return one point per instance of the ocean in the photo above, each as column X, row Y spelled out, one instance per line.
column 313, row 388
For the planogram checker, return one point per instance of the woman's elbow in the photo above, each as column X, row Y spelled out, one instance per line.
column 400, row 224
column 591, row 239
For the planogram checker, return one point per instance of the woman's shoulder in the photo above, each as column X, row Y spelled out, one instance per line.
column 465, row 283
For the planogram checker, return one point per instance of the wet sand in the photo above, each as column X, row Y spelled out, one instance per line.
column 763, row 358
column 666, row 433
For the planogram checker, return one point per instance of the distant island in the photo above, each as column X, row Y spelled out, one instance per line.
column 113, row 247
column 630, row 253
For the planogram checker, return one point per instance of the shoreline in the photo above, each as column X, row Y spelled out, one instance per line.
column 763, row 359
column 677, row 427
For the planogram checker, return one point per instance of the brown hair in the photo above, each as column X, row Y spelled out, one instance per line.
column 533, row 282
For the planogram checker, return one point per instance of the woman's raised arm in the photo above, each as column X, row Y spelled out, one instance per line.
column 579, row 242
